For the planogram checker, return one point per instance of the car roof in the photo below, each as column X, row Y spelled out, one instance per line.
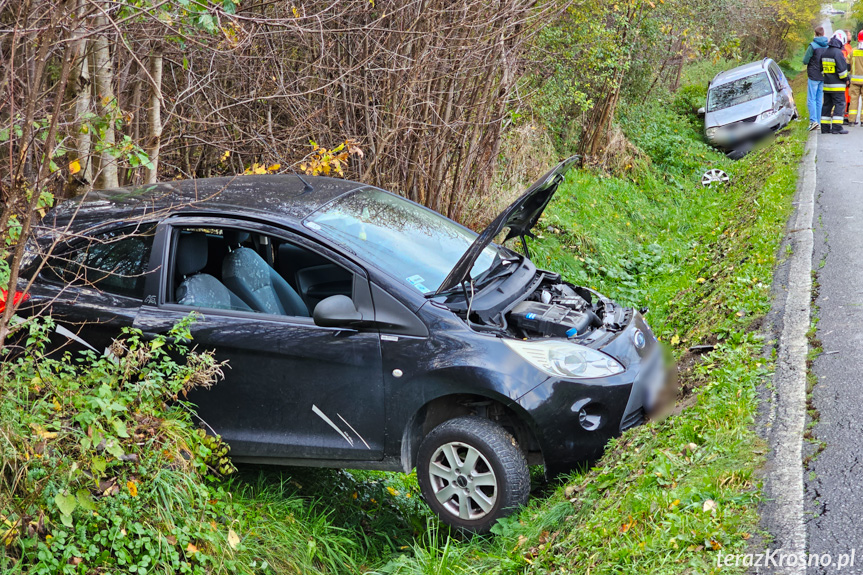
column 273, row 197
column 740, row 72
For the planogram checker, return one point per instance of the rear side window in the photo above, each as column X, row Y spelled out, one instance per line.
column 115, row 262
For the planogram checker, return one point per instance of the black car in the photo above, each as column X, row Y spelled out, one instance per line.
column 362, row 330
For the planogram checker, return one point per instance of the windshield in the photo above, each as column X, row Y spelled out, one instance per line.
column 739, row 91
column 413, row 244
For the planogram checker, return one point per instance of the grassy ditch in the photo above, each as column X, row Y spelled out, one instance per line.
column 664, row 499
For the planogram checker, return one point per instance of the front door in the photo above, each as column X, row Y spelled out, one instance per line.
column 292, row 390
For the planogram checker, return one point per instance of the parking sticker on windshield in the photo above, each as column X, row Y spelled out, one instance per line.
column 417, row 282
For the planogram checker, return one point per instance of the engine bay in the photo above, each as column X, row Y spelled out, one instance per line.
column 559, row 309
column 552, row 308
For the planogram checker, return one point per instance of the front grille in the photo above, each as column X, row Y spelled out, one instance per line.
column 632, row 419
column 740, row 123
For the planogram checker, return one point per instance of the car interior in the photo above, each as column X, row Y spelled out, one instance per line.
column 240, row 270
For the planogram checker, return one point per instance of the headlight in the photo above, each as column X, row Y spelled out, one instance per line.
column 710, row 132
column 565, row 359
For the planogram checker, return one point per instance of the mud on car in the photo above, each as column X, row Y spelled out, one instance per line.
column 362, row 330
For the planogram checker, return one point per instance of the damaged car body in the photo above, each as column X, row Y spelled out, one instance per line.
column 745, row 105
column 362, row 330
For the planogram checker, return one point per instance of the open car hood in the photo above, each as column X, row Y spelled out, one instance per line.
column 520, row 216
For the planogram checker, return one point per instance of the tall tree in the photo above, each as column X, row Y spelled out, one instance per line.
column 154, row 118
column 106, row 103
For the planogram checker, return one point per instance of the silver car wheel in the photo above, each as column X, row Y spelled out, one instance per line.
column 714, row 176
column 463, row 481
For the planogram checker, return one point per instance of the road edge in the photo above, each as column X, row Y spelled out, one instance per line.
column 783, row 512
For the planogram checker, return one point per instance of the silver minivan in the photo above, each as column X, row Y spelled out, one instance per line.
column 747, row 103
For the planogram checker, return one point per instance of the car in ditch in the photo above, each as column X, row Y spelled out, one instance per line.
column 746, row 104
column 362, row 330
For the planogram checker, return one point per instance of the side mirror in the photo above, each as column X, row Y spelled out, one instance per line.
column 701, row 111
column 336, row 311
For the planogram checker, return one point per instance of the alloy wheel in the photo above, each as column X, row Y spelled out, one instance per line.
column 463, row 481
column 714, row 176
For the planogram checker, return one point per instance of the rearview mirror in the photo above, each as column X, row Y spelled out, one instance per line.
column 701, row 111
column 336, row 311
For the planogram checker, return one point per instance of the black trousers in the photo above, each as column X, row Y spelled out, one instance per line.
column 833, row 111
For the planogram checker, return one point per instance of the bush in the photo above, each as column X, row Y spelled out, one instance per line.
column 102, row 468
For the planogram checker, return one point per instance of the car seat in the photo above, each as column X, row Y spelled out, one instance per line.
column 256, row 282
column 200, row 289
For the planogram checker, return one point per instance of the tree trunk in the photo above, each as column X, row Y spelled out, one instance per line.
column 103, row 91
column 151, row 175
column 81, row 85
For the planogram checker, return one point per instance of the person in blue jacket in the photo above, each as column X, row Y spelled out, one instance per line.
column 814, row 94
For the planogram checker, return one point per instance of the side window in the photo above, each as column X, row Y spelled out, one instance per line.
column 115, row 262
column 234, row 269
column 778, row 76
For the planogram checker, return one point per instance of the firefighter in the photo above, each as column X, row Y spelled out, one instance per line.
column 855, row 67
column 835, row 70
column 847, row 49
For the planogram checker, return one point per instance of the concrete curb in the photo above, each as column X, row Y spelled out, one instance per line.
column 783, row 512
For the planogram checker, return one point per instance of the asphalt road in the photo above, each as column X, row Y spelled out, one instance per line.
column 833, row 502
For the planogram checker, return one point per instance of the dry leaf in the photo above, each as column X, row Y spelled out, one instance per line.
column 709, row 505
column 191, row 549
column 233, row 538
column 74, row 167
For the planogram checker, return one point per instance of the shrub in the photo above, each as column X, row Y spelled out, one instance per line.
column 102, row 468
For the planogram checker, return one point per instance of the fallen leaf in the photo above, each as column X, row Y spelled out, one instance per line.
column 233, row 538
column 74, row 167
column 709, row 505
column 191, row 549
column 715, row 545
column 700, row 280
column 133, row 488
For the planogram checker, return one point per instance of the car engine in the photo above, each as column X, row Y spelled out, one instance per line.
column 561, row 312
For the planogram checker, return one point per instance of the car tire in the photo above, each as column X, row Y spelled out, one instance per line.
column 471, row 473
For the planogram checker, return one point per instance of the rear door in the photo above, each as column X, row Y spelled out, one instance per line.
column 293, row 390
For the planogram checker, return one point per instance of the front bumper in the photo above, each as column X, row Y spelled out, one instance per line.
column 575, row 419
column 732, row 135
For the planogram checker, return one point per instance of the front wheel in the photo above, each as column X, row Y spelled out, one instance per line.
column 472, row 473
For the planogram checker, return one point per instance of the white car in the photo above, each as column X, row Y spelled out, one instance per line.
column 745, row 104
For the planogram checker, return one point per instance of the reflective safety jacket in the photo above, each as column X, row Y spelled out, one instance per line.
column 834, row 67
column 855, row 65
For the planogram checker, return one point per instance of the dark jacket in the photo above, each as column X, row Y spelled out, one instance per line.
column 812, row 58
column 834, row 67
